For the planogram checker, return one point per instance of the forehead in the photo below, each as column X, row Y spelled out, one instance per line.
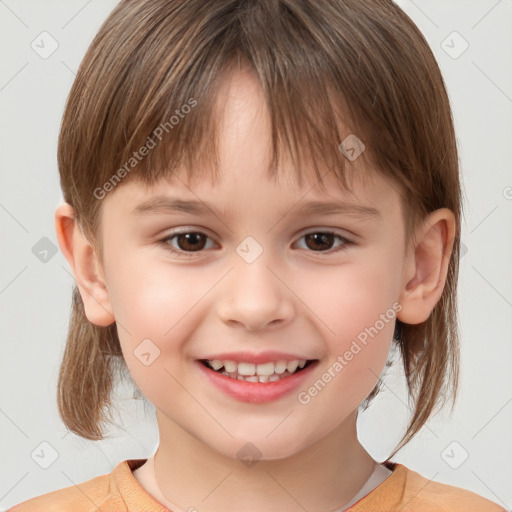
column 266, row 196
column 245, row 175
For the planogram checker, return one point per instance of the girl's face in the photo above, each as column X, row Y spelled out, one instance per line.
column 257, row 280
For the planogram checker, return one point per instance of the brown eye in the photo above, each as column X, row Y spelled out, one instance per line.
column 191, row 241
column 187, row 243
column 319, row 241
column 325, row 242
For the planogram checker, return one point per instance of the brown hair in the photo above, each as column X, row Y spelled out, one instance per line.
column 318, row 61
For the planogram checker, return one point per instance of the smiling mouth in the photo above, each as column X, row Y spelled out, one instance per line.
column 265, row 372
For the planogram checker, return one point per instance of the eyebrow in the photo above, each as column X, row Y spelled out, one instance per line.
column 169, row 205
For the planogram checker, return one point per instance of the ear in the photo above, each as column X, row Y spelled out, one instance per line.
column 427, row 264
column 85, row 266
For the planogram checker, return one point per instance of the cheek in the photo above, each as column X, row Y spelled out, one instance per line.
column 152, row 298
column 356, row 307
column 154, row 306
column 349, row 298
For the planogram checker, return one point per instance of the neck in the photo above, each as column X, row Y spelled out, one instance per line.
column 186, row 474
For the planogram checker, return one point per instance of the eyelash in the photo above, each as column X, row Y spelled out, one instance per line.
column 165, row 242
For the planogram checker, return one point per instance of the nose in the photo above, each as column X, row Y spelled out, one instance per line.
column 254, row 296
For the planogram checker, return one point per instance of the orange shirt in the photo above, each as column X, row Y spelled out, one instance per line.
column 404, row 490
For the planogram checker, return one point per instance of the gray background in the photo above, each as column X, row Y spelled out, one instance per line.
column 35, row 288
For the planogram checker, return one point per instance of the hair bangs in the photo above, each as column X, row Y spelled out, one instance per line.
column 162, row 115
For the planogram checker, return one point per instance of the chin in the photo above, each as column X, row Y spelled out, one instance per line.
column 250, row 450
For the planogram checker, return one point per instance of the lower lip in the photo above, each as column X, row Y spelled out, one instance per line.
column 256, row 392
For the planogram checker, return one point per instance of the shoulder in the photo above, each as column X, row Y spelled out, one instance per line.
column 412, row 492
column 444, row 497
column 86, row 496
column 114, row 492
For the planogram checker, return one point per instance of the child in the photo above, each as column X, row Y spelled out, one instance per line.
column 262, row 200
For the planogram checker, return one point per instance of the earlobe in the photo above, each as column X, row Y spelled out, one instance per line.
column 85, row 266
column 427, row 266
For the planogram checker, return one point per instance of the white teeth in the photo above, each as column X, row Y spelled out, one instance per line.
column 292, row 366
column 230, row 366
column 264, row 372
column 280, row 367
column 265, row 369
column 246, row 368
column 252, row 378
column 216, row 364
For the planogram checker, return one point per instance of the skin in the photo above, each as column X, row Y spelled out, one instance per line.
column 291, row 298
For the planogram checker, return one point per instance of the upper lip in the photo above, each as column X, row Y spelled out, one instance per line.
column 259, row 358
